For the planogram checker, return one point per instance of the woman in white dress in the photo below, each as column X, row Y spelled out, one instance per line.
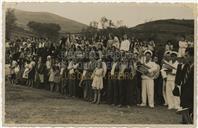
column 97, row 83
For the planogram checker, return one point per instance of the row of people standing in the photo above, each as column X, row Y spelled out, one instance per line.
column 113, row 79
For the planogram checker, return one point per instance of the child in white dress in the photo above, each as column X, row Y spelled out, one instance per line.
column 51, row 78
column 14, row 69
column 97, row 83
column 26, row 72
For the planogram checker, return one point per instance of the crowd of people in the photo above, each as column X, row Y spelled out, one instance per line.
column 119, row 71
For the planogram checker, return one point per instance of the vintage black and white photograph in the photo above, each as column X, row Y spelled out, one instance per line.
column 99, row 63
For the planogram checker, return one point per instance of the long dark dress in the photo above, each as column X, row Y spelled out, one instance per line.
column 179, row 74
column 124, row 87
column 107, row 85
column 132, row 91
column 79, row 90
column 113, row 86
column 130, row 86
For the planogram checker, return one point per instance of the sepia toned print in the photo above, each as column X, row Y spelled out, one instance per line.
column 99, row 63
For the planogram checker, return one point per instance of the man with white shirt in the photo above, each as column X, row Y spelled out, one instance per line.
column 183, row 44
column 164, row 75
column 125, row 44
column 173, row 101
column 48, row 63
column 148, row 81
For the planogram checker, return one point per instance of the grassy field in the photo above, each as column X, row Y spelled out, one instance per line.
column 25, row 105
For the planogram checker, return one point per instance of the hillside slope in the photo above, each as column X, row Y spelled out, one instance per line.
column 170, row 25
column 163, row 30
column 67, row 25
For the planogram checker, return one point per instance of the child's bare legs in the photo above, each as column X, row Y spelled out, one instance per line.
column 32, row 83
column 85, row 93
column 57, row 87
column 51, row 86
column 95, row 96
column 12, row 82
column 27, row 82
column 98, row 95
column 62, row 87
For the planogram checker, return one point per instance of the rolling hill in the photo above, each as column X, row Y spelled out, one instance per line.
column 169, row 25
column 163, row 30
column 67, row 25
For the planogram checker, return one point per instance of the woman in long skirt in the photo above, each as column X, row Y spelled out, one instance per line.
column 57, row 79
column 114, row 82
column 122, row 83
column 40, row 70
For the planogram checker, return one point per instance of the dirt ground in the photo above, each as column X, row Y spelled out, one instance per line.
column 25, row 105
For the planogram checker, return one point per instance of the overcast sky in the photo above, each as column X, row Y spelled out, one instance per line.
column 131, row 13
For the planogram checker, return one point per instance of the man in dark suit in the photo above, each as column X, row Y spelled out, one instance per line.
column 179, row 73
column 187, row 87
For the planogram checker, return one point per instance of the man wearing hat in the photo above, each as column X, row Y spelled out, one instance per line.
column 183, row 44
column 164, row 75
column 116, row 42
column 148, row 80
column 173, row 101
column 187, row 88
column 125, row 44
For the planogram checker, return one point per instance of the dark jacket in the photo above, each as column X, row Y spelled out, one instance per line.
column 187, row 88
column 179, row 75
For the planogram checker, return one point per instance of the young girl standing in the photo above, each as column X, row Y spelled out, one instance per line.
column 57, row 78
column 26, row 72
column 13, row 72
column 51, row 78
column 97, row 83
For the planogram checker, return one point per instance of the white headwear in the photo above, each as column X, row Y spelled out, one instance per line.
column 174, row 52
column 148, row 51
column 167, row 52
column 116, row 39
column 48, row 57
column 136, row 52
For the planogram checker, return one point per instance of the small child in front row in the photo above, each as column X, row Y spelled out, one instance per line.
column 97, row 83
column 57, row 79
column 51, row 78
column 12, row 75
column 26, row 72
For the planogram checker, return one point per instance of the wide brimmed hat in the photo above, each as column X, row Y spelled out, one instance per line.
column 167, row 53
column 148, row 51
column 174, row 53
